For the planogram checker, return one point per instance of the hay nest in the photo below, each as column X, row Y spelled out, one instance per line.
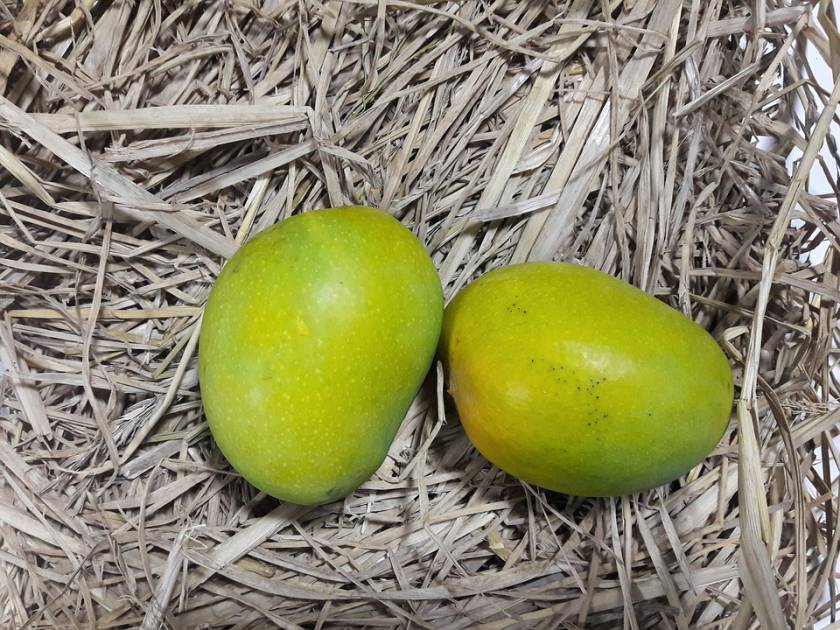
column 144, row 141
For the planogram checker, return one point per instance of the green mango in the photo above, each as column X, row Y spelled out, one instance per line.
column 575, row 381
column 316, row 337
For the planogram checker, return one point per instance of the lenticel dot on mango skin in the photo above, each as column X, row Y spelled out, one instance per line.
column 315, row 339
column 643, row 394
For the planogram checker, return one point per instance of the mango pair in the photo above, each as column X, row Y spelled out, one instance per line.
column 319, row 332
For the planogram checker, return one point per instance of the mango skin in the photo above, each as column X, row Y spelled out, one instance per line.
column 316, row 337
column 575, row 381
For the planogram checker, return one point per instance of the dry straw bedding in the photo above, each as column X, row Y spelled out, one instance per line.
column 143, row 141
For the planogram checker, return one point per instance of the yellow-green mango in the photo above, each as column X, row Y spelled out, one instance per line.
column 575, row 381
column 315, row 339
